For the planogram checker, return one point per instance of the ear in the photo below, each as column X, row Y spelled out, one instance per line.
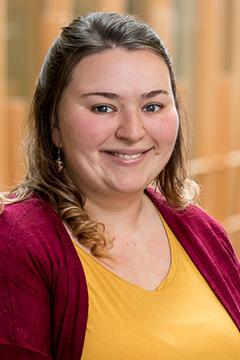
column 56, row 134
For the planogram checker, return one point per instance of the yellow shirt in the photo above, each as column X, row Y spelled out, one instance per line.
column 180, row 320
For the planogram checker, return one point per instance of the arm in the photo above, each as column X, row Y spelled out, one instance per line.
column 25, row 306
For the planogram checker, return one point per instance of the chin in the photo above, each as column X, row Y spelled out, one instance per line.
column 129, row 189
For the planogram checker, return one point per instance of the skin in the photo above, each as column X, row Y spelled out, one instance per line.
column 117, row 127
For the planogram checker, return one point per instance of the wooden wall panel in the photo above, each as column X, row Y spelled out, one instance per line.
column 206, row 76
column 217, row 113
column 55, row 14
column 4, row 130
column 109, row 5
column 3, row 39
column 17, row 113
column 160, row 15
column 235, row 78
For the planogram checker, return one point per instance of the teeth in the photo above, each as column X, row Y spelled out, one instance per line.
column 127, row 156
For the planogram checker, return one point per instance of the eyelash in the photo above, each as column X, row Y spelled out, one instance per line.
column 110, row 109
column 160, row 106
column 97, row 107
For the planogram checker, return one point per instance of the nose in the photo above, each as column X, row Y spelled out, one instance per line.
column 130, row 127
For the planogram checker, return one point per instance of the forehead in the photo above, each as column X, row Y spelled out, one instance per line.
column 114, row 68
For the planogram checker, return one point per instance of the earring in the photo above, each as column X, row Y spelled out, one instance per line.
column 59, row 161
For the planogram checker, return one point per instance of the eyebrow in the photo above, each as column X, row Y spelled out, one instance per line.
column 155, row 93
column 110, row 95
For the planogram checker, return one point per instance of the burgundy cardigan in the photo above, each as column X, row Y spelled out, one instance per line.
column 43, row 291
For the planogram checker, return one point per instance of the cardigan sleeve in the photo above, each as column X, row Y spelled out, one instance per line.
column 25, row 305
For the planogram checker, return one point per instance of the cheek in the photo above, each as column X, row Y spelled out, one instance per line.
column 84, row 134
column 168, row 129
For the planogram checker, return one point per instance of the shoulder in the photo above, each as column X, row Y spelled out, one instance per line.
column 32, row 217
column 194, row 225
column 31, row 211
column 192, row 216
column 31, row 235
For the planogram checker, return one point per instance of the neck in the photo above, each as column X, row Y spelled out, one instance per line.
column 121, row 211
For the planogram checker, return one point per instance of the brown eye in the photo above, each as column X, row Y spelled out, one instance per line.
column 152, row 108
column 102, row 109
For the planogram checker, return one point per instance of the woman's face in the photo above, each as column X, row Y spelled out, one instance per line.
column 117, row 122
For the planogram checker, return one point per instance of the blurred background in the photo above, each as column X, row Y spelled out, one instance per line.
column 203, row 38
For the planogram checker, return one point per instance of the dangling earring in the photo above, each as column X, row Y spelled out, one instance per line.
column 59, row 161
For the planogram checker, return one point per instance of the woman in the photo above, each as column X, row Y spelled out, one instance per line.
column 95, row 264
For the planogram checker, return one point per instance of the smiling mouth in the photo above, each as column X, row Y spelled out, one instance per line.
column 127, row 156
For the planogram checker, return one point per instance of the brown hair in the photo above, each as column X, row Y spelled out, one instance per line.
column 87, row 35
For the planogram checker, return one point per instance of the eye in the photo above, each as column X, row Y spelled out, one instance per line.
column 103, row 109
column 152, row 107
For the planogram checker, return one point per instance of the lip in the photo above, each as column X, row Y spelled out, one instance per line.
column 126, row 156
column 126, row 151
